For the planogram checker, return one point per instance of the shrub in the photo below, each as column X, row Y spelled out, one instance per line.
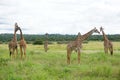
column 38, row 42
column 62, row 42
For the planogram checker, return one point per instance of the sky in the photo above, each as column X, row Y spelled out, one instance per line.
column 60, row 16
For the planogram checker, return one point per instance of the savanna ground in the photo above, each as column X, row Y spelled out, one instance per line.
column 39, row 65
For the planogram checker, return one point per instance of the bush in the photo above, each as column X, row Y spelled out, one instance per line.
column 63, row 42
column 29, row 42
column 38, row 42
column 50, row 42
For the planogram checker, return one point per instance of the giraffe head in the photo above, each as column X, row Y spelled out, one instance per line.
column 46, row 34
column 16, row 27
column 79, row 34
column 96, row 31
column 101, row 28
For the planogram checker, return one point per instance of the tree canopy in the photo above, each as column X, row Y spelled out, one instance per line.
column 56, row 37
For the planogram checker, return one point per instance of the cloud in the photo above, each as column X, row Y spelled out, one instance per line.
column 3, row 23
column 61, row 16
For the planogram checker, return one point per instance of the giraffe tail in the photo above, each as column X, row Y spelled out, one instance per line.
column 111, row 52
column 10, row 53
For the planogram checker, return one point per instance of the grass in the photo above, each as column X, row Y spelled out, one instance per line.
column 39, row 65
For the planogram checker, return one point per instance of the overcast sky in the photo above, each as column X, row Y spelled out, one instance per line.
column 60, row 16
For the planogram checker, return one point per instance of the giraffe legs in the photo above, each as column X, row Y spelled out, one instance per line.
column 78, row 55
column 24, row 52
column 21, row 51
column 68, row 55
column 111, row 50
column 16, row 50
column 106, row 49
column 10, row 52
column 46, row 47
column 13, row 54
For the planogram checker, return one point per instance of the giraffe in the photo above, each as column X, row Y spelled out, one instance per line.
column 22, row 44
column 46, row 42
column 74, row 45
column 77, row 44
column 12, row 45
column 107, row 44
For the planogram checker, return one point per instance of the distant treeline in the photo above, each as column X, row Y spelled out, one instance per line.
column 56, row 37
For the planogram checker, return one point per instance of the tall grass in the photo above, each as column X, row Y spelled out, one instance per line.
column 39, row 65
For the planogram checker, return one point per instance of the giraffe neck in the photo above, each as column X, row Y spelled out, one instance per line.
column 104, row 36
column 46, row 38
column 78, row 37
column 14, row 37
column 85, row 36
column 21, row 35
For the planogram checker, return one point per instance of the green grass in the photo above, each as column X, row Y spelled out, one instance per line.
column 39, row 65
